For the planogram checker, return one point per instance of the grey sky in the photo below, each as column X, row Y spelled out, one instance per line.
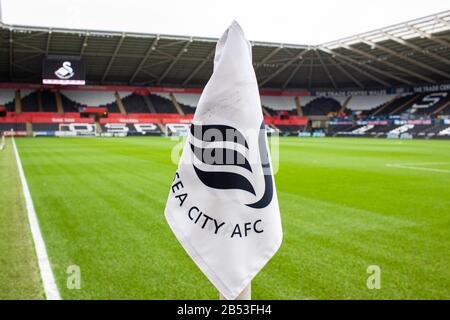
column 287, row 21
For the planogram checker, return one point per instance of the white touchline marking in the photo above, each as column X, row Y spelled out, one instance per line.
column 414, row 166
column 48, row 280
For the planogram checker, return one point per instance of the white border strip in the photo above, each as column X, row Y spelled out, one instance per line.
column 2, row 145
column 417, row 166
column 55, row 81
column 48, row 280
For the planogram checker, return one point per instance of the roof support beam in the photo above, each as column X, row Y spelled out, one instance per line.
column 293, row 73
column 348, row 74
column 113, row 57
column 367, row 74
column 11, row 52
column 33, row 48
column 49, row 39
column 84, row 44
column 429, row 36
column 310, row 74
column 412, row 61
column 326, row 69
column 166, row 72
column 27, row 58
column 273, row 75
column 447, row 23
column 149, row 74
column 22, row 67
column 199, row 67
column 417, row 48
column 267, row 58
column 344, row 59
column 144, row 59
column 390, row 64
column 155, row 64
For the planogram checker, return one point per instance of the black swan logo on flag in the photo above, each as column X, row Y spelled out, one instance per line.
column 231, row 157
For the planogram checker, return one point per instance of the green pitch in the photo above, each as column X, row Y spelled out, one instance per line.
column 19, row 272
column 345, row 203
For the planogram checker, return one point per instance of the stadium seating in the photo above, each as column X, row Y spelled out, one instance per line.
column 7, row 98
column 91, row 97
column 380, row 113
column 368, row 104
column 45, row 126
column 135, row 103
column 7, row 126
column 271, row 111
column 278, row 102
column 69, row 105
column 418, row 128
column 112, row 107
column 30, row 102
column 333, row 130
column 400, row 104
column 431, row 103
column 321, row 106
column 162, row 104
column 290, row 129
column 48, row 101
column 188, row 102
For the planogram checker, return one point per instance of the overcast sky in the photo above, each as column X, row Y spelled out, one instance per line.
column 287, row 21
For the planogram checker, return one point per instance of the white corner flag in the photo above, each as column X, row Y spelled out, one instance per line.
column 223, row 205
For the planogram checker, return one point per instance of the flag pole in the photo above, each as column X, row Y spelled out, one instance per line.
column 246, row 294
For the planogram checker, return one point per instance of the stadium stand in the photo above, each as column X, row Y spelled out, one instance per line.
column 162, row 103
column 270, row 111
column 48, row 101
column 382, row 98
column 334, row 130
column 430, row 104
column 278, row 103
column 69, row 105
column 400, row 104
column 367, row 104
column 290, row 129
column 135, row 103
column 321, row 106
column 187, row 109
column 112, row 107
column 7, row 126
column 30, row 102
column 188, row 102
column 45, row 126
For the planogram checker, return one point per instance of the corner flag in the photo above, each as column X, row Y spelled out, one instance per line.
column 223, row 205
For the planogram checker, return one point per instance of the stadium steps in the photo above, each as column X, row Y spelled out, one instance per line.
column 98, row 127
column 59, row 103
column 409, row 102
column 176, row 104
column 149, row 104
column 445, row 105
column 18, row 102
column 298, row 106
column 68, row 104
column 161, row 127
column 29, row 129
column 265, row 112
column 120, row 104
column 345, row 104
column 385, row 105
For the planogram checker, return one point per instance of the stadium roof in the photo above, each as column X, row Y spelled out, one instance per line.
column 407, row 54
